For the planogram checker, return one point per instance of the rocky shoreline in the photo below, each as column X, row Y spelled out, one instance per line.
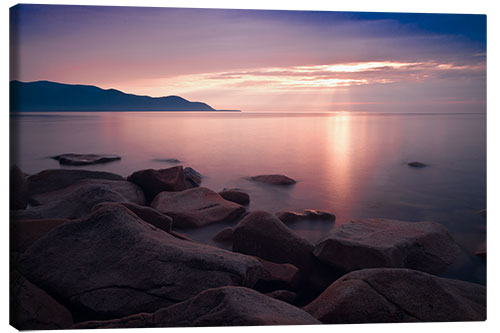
column 93, row 249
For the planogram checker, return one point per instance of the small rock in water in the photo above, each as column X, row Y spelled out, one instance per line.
column 85, row 159
column 310, row 214
column 235, row 195
column 168, row 160
column 416, row 164
column 273, row 179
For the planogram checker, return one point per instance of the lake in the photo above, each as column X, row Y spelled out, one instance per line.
column 351, row 164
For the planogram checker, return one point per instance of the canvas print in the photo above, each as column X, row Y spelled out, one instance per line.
column 219, row 167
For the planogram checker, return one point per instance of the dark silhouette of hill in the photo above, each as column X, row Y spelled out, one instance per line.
column 53, row 96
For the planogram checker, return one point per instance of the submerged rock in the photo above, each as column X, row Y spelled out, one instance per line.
column 416, row 164
column 371, row 243
column 18, row 189
column 265, row 236
column 130, row 191
column 33, row 309
column 273, row 179
column 235, row 195
column 112, row 264
column 85, row 159
column 56, row 179
column 77, row 204
column 308, row 214
column 154, row 181
column 196, row 207
column 225, row 306
column 398, row 295
column 167, row 160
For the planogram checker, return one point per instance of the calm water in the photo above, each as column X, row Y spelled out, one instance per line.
column 353, row 165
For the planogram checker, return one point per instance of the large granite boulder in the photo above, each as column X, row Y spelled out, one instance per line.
column 85, row 159
column 18, row 189
column 130, row 191
column 273, row 179
column 33, row 309
column 374, row 243
column 23, row 233
column 308, row 214
column 225, row 306
column 147, row 214
column 196, row 207
column 235, row 195
column 112, row 264
column 382, row 295
column 56, row 179
column 76, row 204
column 265, row 236
column 154, row 181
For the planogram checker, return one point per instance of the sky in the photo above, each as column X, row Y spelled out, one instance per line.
column 259, row 60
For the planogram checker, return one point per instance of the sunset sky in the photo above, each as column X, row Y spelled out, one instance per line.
column 260, row 60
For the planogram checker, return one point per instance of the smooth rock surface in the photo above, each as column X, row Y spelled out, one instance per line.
column 154, row 181
column 273, row 179
column 283, row 295
column 193, row 178
column 196, row 207
column 33, row 309
column 23, row 233
column 263, row 235
column 147, row 214
column 76, row 204
column 85, row 159
column 287, row 274
column 18, row 189
column 55, row 179
column 309, row 214
column 130, row 191
column 398, row 295
column 225, row 306
column 112, row 264
column 235, row 195
column 377, row 243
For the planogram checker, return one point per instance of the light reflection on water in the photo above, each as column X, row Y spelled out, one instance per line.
column 353, row 165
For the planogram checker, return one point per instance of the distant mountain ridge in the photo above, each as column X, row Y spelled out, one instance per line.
column 53, row 96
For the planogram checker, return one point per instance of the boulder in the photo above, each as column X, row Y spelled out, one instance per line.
column 23, row 233
column 286, row 296
column 383, row 295
column 85, row 159
column 225, row 306
column 224, row 236
column 51, row 180
column 284, row 274
column 18, row 189
column 112, row 264
column 377, row 243
column 130, row 191
column 33, row 309
column 416, row 164
column 192, row 177
column 154, row 181
column 273, row 179
column 235, row 195
column 308, row 214
column 196, row 207
column 76, row 204
column 145, row 213
column 263, row 235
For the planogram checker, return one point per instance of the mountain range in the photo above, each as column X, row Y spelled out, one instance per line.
column 39, row 96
